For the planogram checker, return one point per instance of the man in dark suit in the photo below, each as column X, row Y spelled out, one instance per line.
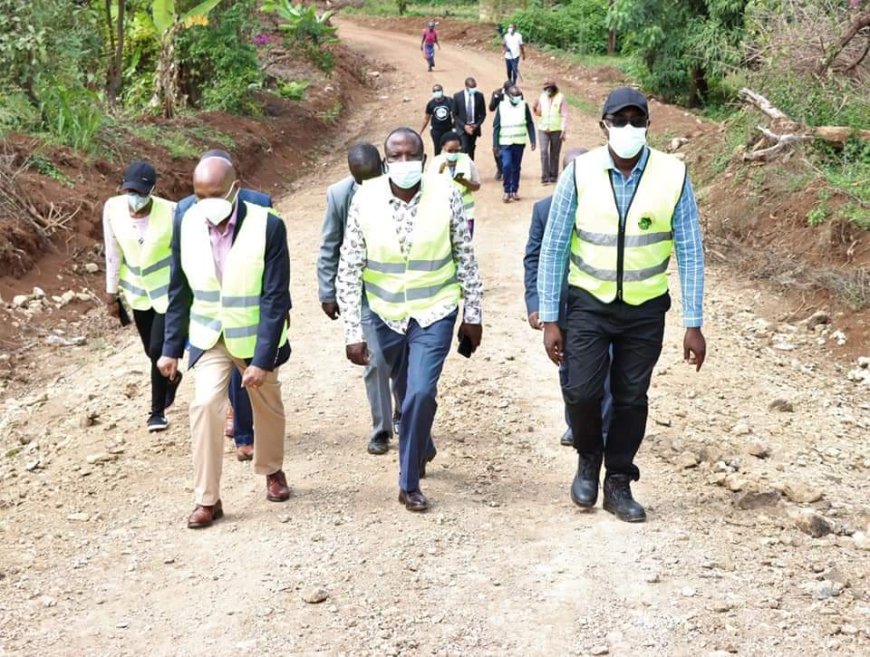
column 469, row 107
column 540, row 212
column 229, row 296
column 242, row 426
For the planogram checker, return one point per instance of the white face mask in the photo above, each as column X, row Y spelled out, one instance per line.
column 215, row 210
column 137, row 202
column 405, row 174
column 626, row 142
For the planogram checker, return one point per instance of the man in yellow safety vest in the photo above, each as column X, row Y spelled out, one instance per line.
column 460, row 169
column 552, row 112
column 619, row 212
column 137, row 230
column 229, row 295
column 407, row 239
column 513, row 128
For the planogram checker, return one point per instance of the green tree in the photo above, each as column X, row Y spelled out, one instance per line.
column 684, row 46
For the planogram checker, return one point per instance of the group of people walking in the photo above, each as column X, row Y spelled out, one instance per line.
column 397, row 265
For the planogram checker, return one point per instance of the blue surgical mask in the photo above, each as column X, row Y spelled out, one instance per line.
column 138, row 202
column 405, row 174
column 451, row 157
column 516, row 100
column 438, row 94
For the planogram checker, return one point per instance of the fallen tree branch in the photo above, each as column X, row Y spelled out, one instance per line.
column 762, row 103
column 860, row 58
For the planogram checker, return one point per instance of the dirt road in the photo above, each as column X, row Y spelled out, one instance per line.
column 95, row 559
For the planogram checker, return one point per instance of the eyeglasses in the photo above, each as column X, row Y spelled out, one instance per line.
column 622, row 121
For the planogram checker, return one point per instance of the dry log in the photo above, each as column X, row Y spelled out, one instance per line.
column 780, row 144
column 762, row 103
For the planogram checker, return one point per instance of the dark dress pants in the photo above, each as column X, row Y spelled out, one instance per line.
column 635, row 334
column 150, row 325
column 469, row 143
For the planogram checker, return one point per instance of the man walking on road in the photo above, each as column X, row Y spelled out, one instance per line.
column 137, row 227
column 494, row 102
column 512, row 45
column 512, row 129
column 439, row 110
column 407, row 240
column 240, row 418
column 469, row 111
column 552, row 112
column 540, row 214
column 230, row 296
column 618, row 214
column 364, row 163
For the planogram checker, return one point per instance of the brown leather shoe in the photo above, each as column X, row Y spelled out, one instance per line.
column 228, row 425
column 277, row 489
column 204, row 516
column 413, row 500
column 245, row 452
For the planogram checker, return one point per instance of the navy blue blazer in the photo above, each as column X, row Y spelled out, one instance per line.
column 540, row 214
column 274, row 303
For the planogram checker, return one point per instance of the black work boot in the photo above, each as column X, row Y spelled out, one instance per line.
column 618, row 499
column 584, row 488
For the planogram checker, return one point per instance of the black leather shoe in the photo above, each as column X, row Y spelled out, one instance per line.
column 584, row 488
column 429, row 458
column 567, row 438
column 379, row 444
column 413, row 500
column 618, row 499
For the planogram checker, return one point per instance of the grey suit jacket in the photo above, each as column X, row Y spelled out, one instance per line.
column 338, row 198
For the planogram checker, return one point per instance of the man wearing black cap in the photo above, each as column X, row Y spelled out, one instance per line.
column 240, row 422
column 618, row 214
column 137, row 227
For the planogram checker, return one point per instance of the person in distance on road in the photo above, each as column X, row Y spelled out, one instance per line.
column 618, row 214
column 552, row 112
column 439, row 110
column 364, row 163
column 137, row 230
column 512, row 45
column 513, row 127
column 230, row 296
column 428, row 43
column 540, row 214
column 407, row 246
column 240, row 418
column 460, row 170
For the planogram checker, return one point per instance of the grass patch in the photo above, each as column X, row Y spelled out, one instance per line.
column 620, row 62
column 583, row 104
column 468, row 11
column 41, row 164
column 331, row 115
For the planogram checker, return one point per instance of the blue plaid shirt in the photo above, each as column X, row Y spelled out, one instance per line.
column 556, row 247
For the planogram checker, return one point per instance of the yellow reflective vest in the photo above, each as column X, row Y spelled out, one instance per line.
column 512, row 123
column 397, row 286
column 551, row 112
column 463, row 166
column 228, row 309
column 627, row 259
column 144, row 273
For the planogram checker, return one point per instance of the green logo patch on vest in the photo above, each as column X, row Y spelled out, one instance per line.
column 644, row 223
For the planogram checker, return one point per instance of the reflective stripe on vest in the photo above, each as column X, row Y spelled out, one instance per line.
column 631, row 264
column 551, row 112
column 512, row 123
column 463, row 166
column 398, row 287
column 144, row 273
column 230, row 309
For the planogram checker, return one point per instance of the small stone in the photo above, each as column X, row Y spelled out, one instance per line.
column 812, row 524
column 801, row 493
column 817, row 318
column 315, row 596
column 862, row 541
column 87, row 419
column 32, row 465
column 599, row 650
column 721, row 606
column 122, row 625
column 781, row 405
column 101, row 457
column 169, row 560
column 688, row 592
column 20, row 300
column 687, row 460
column 848, row 630
column 38, row 293
column 652, row 578
column 47, row 601
column 758, row 449
column 741, row 429
column 284, row 518
column 754, row 499
column 734, row 482
column 78, row 517
column 92, row 267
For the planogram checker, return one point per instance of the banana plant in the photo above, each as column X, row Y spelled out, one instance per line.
column 168, row 24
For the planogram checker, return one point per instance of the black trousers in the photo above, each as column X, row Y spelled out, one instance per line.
column 469, row 143
column 150, row 325
column 436, row 140
column 635, row 333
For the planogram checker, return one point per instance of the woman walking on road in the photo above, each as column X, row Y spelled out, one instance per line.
column 427, row 45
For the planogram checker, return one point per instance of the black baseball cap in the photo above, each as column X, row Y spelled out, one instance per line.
column 139, row 177
column 623, row 97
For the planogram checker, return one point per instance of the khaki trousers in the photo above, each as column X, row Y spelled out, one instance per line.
column 208, row 416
